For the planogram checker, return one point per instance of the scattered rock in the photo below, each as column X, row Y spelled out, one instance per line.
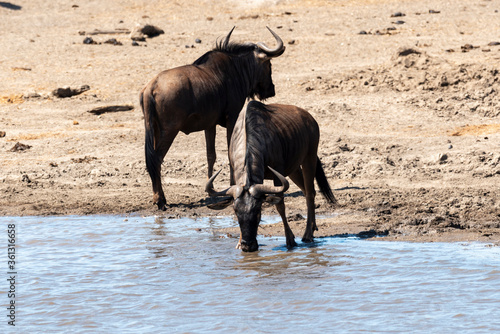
column 493, row 43
column 85, row 159
column 134, row 43
column 442, row 157
column 296, row 217
column 246, row 17
column 104, row 109
column 345, row 148
column 19, row 147
column 432, row 11
column 292, row 42
column 403, row 52
column 113, row 41
column 89, row 40
column 198, row 41
column 26, row 178
column 468, row 47
column 31, row 95
column 398, row 14
column 145, row 30
column 67, row 91
column 105, row 32
column 399, row 22
column 2, row 134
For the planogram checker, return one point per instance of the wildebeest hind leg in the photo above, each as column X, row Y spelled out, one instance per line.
column 298, row 178
column 290, row 238
column 154, row 161
column 308, row 172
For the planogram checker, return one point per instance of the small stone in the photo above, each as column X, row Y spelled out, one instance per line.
column 89, row 40
column 67, row 91
column 362, row 32
column 2, row 134
column 398, row 14
column 432, row 11
column 18, row 147
column 113, row 41
column 197, row 40
column 134, row 43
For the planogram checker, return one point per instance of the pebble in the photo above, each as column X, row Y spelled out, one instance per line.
column 113, row 41
column 20, row 147
column 442, row 157
column 89, row 40
column 398, row 14
column 197, row 40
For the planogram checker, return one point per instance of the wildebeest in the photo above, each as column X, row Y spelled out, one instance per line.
column 197, row 97
column 271, row 142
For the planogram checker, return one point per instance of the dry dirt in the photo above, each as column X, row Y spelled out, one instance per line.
column 408, row 106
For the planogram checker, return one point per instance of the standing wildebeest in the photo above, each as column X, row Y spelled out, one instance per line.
column 285, row 139
column 197, row 97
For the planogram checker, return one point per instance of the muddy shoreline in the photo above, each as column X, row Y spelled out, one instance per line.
column 409, row 112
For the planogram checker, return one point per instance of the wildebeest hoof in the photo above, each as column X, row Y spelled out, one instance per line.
column 291, row 244
column 162, row 205
column 238, row 246
column 307, row 239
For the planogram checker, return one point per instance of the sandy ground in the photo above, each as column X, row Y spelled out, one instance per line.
column 405, row 92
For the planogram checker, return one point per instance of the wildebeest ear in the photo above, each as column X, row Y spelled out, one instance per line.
column 224, row 203
column 272, row 199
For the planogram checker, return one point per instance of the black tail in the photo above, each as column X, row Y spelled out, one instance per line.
column 150, row 122
column 324, row 187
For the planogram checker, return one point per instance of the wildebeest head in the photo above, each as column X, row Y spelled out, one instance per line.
column 248, row 205
column 253, row 62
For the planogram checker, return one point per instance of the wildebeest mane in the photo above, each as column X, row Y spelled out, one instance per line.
column 258, row 127
column 239, row 65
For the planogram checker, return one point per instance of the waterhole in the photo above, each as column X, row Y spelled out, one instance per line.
column 117, row 274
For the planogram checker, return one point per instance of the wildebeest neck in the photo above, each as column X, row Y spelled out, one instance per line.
column 235, row 72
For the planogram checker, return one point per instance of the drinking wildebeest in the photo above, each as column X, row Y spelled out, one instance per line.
column 268, row 142
column 197, row 97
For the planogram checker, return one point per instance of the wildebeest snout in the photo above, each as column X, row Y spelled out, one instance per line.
column 249, row 246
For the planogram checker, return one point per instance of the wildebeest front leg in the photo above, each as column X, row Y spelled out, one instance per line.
column 211, row 154
column 290, row 238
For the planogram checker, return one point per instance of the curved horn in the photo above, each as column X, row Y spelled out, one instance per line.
column 226, row 40
column 231, row 191
column 260, row 189
column 272, row 52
